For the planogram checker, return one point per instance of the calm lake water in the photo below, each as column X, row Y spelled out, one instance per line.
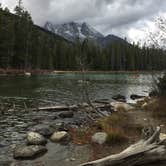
column 56, row 89
column 68, row 88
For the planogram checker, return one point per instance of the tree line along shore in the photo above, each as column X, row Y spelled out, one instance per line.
column 24, row 45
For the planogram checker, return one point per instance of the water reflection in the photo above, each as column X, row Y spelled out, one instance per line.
column 66, row 88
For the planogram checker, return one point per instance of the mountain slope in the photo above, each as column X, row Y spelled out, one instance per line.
column 111, row 39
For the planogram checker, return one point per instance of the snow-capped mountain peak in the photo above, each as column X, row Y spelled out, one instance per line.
column 72, row 31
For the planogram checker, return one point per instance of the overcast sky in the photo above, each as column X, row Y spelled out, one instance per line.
column 125, row 18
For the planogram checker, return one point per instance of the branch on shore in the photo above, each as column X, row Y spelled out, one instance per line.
column 149, row 151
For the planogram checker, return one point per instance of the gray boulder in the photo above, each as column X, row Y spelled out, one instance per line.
column 68, row 114
column 34, row 138
column 100, row 138
column 29, row 152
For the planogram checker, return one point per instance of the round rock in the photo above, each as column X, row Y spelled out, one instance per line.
column 29, row 152
column 60, row 136
column 99, row 138
column 34, row 138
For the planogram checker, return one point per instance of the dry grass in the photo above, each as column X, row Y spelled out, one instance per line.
column 159, row 111
column 114, row 126
column 118, row 126
column 82, row 136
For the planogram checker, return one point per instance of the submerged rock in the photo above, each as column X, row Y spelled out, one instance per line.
column 100, row 138
column 34, row 138
column 61, row 136
column 29, row 152
column 43, row 129
column 68, row 114
column 61, row 126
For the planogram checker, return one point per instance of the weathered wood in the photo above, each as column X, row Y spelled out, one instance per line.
column 146, row 152
column 72, row 107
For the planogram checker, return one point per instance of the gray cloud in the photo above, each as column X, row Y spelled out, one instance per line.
column 117, row 16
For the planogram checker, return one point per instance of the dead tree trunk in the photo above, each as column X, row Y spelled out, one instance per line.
column 149, row 151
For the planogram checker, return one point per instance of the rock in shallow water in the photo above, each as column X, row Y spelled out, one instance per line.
column 119, row 98
column 68, row 114
column 34, row 138
column 61, row 126
column 100, row 138
column 43, row 129
column 61, row 136
column 134, row 97
column 29, row 152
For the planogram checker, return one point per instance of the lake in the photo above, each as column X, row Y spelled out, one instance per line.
column 55, row 89
column 68, row 88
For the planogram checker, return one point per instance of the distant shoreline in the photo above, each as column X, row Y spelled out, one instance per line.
column 17, row 72
column 109, row 72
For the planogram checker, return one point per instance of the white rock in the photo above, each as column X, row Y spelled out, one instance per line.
column 162, row 136
column 59, row 136
column 145, row 105
column 99, row 138
column 34, row 138
column 118, row 106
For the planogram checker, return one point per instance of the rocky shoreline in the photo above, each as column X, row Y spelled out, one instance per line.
column 41, row 140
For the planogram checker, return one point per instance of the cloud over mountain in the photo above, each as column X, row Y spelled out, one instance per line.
column 108, row 16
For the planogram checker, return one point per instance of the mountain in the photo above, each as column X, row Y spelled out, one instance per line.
column 73, row 31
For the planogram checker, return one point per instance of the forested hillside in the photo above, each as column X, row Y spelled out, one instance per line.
column 24, row 45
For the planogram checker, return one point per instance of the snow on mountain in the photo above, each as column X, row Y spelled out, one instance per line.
column 73, row 31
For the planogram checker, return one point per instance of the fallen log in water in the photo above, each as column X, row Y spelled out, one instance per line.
column 150, row 151
column 56, row 108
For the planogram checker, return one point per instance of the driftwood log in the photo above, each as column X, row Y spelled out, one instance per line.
column 150, row 151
